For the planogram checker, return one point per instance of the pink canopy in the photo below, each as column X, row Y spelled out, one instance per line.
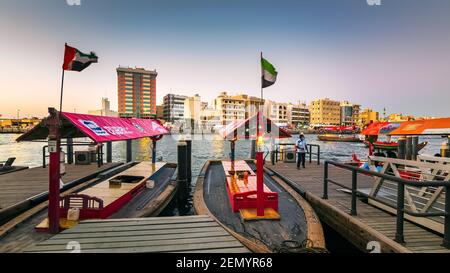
column 99, row 128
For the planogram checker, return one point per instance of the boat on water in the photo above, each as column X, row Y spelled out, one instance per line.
column 131, row 190
column 391, row 145
column 219, row 193
column 339, row 138
column 253, row 205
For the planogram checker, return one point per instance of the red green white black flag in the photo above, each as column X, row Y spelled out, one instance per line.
column 76, row 60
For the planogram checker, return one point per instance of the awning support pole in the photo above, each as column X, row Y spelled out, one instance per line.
column 54, row 138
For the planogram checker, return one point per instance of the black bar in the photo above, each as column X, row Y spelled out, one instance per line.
column 109, row 151
column 182, row 161
column 354, row 189
column 189, row 159
column 69, row 150
column 325, row 181
column 44, row 164
column 253, row 149
column 129, row 151
column 399, row 237
column 153, row 151
column 318, row 154
column 446, row 242
column 310, row 153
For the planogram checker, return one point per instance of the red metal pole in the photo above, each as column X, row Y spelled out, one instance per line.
column 54, row 171
column 259, row 172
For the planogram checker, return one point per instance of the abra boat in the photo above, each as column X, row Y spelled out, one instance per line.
column 391, row 145
column 339, row 138
column 220, row 195
column 258, row 209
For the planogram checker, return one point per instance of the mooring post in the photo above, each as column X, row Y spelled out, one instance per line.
column 253, row 149
column 153, row 151
column 408, row 150
column 401, row 147
column 399, row 237
column 109, row 151
column 182, row 162
column 446, row 242
column 325, row 181
column 129, row 151
column 189, row 158
column 69, row 150
column 415, row 151
column 354, row 188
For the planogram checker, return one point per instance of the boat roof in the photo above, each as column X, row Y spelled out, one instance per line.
column 98, row 128
column 246, row 129
column 438, row 126
column 380, row 128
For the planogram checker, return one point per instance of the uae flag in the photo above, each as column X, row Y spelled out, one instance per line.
column 76, row 60
column 269, row 74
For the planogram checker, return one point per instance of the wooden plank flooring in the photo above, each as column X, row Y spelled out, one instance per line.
column 21, row 185
column 370, row 223
column 138, row 235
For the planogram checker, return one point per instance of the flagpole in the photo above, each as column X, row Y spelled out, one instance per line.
column 62, row 90
column 259, row 156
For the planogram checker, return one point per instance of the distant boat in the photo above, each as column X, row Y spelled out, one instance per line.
column 339, row 138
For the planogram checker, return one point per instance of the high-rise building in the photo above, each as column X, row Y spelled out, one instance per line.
column 105, row 111
column 349, row 113
column 325, row 112
column 136, row 92
column 174, row 107
column 368, row 116
column 276, row 111
column 298, row 114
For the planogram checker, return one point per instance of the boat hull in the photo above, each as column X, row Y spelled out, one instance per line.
column 339, row 138
column 298, row 222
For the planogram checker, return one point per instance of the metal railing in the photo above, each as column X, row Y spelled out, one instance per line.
column 400, row 208
column 275, row 157
column 99, row 153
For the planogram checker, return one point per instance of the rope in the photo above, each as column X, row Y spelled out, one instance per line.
column 307, row 246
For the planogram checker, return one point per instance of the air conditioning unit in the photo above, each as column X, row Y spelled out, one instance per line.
column 82, row 158
column 289, row 157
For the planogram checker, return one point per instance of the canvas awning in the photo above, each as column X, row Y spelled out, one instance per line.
column 246, row 129
column 98, row 128
column 380, row 128
column 439, row 126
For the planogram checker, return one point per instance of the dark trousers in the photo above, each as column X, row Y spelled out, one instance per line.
column 301, row 158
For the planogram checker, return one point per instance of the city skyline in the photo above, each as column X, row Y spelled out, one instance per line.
column 390, row 56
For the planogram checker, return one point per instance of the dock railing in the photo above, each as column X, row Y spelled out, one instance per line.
column 400, row 207
column 275, row 155
column 99, row 152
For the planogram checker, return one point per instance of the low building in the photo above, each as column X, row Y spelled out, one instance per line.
column 398, row 117
column 173, row 108
column 368, row 116
column 298, row 114
column 349, row 113
column 105, row 111
column 276, row 111
column 325, row 112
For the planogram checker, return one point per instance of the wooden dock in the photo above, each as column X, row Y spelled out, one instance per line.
column 182, row 234
column 18, row 186
column 371, row 224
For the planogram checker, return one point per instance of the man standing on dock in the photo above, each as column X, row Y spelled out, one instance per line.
column 301, row 150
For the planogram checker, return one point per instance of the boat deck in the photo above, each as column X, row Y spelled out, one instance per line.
column 370, row 223
column 185, row 234
column 18, row 186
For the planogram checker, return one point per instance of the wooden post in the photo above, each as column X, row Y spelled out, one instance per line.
column 401, row 147
column 109, row 151
column 129, row 151
column 189, row 159
column 253, row 149
column 182, row 162
column 415, row 151
column 408, row 148
column 153, row 151
column 69, row 150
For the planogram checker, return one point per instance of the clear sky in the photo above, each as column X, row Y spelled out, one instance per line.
column 395, row 55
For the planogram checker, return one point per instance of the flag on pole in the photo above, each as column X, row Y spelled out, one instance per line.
column 76, row 60
column 269, row 74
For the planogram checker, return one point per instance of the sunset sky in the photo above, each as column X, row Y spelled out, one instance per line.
column 396, row 55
